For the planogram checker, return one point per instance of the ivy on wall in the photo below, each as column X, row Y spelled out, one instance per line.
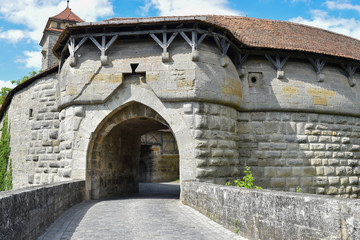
column 5, row 161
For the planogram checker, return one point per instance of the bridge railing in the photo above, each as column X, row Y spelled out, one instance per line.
column 25, row 213
column 266, row 214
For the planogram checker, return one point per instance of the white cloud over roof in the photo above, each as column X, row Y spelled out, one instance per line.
column 190, row 7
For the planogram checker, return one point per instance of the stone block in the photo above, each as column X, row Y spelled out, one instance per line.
column 201, row 122
column 306, row 181
column 317, row 146
column 319, row 171
column 243, row 128
column 271, row 127
column 284, row 171
column 331, row 190
column 344, row 180
column 353, row 180
column 258, row 116
column 324, row 139
column 289, row 154
column 272, row 154
column 334, row 180
column 329, row 171
column 315, row 162
column 270, row 172
column 278, row 182
column 308, row 171
column 292, row 181
column 312, row 139
column 320, row 181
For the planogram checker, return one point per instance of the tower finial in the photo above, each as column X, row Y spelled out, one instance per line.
column 68, row 3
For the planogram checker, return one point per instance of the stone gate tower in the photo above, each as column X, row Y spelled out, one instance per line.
column 280, row 97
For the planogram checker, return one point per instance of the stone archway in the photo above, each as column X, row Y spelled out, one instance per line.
column 114, row 150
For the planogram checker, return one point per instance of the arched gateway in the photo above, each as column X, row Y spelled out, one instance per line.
column 114, row 149
column 279, row 97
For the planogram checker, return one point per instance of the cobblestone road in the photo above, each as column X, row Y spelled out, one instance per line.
column 155, row 213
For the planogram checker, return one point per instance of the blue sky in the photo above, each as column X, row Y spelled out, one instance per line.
column 22, row 22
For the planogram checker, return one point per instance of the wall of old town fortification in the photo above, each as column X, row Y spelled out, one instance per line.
column 292, row 131
column 34, row 123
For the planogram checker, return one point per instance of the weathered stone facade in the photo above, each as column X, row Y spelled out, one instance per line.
column 294, row 126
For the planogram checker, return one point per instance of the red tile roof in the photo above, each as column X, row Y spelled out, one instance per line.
column 67, row 15
column 270, row 34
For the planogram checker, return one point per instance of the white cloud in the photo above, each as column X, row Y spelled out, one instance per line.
column 321, row 19
column 7, row 84
column 190, row 7
column 13, row 35
column 31, row 60
column 342, row 5
column 32, row 15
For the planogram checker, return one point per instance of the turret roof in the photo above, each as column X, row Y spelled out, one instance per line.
column 67, row 15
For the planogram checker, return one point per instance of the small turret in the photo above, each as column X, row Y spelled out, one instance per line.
column 54, row 26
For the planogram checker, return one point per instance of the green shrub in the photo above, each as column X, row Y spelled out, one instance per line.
column 246, row 182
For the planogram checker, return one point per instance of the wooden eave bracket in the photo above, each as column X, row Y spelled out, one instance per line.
column 239, row 61
column 350, row 70
column 223, row 44
column 73, row 48
column 194, row 43
column 318, row 65
column 164, row 44
column 278, row 64
column 104, row 47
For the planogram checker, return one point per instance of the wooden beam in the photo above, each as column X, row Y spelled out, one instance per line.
column 350, row 70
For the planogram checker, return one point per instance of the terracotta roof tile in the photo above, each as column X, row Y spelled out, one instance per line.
column 273, row 34
column 67, row 15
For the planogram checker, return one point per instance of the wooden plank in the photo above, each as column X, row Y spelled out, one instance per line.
column 186, row 38
column 96, row 43
column 157, row 40
column 83, row 40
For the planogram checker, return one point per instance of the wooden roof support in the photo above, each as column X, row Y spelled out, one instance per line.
column 239, row 61
column 72, row 47
column 164, row 44
column 318, row 66
column 278, row 64
column 194, row 43
column 103, row 47
column 223, row 44
column 350, row 70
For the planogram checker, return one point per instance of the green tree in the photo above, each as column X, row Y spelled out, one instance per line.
column 5, row 162
column 3, row 93
column 5, row 90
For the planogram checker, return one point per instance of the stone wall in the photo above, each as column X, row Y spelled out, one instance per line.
column 265, row 214
column 317, row 152
column 26, row 213
column 214, row 129
column 34, row 123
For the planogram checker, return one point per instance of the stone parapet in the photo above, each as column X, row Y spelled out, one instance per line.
column 25, row 213
column 265, row 214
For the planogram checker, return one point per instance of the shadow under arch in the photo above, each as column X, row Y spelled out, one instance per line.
column 114, row 150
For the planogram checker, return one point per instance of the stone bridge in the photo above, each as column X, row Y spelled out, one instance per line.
column 156, row 213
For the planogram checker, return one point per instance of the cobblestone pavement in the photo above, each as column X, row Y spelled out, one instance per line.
column 155, row 213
